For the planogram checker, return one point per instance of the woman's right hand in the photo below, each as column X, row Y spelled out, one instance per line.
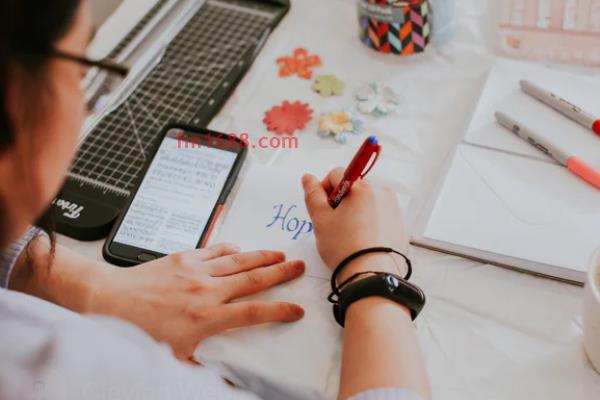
column 381, row 349
column 368, row 216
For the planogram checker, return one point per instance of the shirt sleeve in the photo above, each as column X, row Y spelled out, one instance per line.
column 386, row 394
column 9, row 256
column 73, row 357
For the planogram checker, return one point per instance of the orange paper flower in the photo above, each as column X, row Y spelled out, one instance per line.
column 301, row 64
column 288, row 117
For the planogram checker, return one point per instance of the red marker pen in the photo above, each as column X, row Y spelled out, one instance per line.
column 356, row 170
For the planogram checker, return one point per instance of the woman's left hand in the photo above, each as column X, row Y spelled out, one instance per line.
column 180, row 299
column 184, row 298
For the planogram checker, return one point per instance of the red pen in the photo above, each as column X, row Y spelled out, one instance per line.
column 356, row 170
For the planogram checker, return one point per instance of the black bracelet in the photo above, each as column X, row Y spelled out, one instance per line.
column 335, row 289
column 334, row 298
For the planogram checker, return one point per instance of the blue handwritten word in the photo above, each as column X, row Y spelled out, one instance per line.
column 291, row 224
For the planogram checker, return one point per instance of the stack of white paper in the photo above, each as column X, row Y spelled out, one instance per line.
column 505, row 202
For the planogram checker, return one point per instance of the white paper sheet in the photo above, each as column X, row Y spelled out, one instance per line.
column 502, row 93
column 269, row 213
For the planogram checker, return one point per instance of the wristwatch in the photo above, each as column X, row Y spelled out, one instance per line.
column 384, row 285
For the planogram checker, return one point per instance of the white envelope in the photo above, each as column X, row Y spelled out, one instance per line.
column 515, row 211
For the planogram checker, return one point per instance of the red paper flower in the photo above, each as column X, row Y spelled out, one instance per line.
column 288, row 117
column 301, row 63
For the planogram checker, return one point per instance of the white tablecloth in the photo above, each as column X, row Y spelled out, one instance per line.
column 487, row 333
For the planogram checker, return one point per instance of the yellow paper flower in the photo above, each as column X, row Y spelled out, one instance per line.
column 335, row 123
column 339, row 124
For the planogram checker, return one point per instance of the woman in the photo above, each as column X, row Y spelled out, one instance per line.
column 53, row 351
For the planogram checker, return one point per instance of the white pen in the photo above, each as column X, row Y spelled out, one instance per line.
column 563, row 106
column 573, row 163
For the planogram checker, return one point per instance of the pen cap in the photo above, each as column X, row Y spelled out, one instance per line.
column 358, row 166
column 377, row 150
column 596, row 127
column 584, row 171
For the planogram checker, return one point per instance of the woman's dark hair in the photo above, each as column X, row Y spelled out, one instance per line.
column 29, row 30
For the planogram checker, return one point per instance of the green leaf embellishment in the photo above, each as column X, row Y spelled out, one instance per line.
column 328, row 85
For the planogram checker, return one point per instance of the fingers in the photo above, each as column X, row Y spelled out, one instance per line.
column 238, row 315
column 333, row 179
column 260, row 279
column 315, row 195
column 216, row 251
column 236, row 263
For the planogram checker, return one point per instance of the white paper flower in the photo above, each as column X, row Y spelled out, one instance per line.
column 377, row 99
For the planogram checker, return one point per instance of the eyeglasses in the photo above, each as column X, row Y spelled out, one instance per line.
column 114, row 73
column 105, row 64
column 106, row 84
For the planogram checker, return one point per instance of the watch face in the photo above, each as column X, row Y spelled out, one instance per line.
column 392, row 283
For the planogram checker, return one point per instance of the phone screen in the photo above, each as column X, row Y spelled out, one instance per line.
column 176, row 197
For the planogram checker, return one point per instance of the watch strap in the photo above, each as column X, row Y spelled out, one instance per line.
column 384, row 285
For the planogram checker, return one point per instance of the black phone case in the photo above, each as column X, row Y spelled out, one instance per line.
column 121, row 261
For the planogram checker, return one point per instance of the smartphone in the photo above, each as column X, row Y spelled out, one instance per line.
column 179, row 197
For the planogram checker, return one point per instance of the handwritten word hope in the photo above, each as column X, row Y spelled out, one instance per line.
column 284, row 218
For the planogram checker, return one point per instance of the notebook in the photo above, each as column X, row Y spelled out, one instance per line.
column 504, row 202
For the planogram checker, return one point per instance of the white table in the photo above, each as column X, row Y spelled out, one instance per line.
column 487, row 333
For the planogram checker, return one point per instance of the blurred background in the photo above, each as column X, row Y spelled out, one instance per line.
column 102, row 9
